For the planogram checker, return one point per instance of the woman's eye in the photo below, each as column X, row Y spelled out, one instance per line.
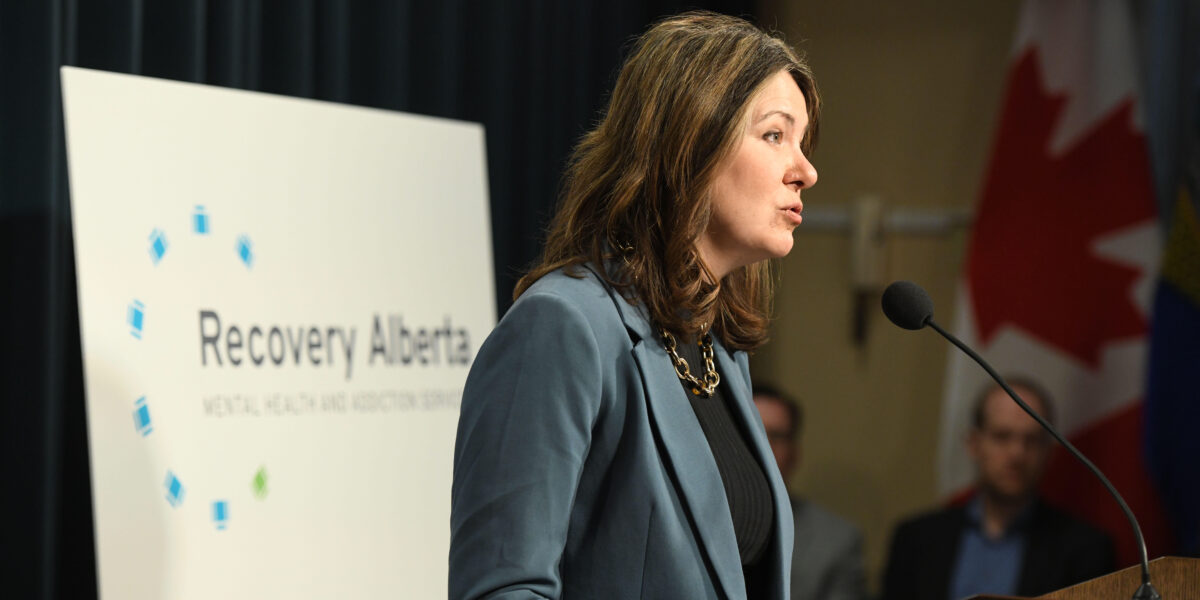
column 773, row 136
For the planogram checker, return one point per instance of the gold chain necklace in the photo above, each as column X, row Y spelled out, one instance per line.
column 703, row 388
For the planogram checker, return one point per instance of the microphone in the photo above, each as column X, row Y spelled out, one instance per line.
column 907, row 305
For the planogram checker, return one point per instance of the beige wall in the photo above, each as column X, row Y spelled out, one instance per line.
column 911, row 92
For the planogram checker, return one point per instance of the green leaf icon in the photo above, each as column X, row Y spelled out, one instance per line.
column 259, row 485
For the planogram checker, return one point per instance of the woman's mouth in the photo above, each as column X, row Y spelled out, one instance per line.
column 793, row 213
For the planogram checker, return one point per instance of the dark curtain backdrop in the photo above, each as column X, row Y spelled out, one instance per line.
column 533, row 72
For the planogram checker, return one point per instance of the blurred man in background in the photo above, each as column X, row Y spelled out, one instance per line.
column 1005, row 540
column 827, row 560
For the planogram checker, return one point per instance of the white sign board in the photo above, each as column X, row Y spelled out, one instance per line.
column 279, row 302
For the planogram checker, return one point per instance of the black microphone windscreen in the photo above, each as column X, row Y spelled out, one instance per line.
column 907, row 305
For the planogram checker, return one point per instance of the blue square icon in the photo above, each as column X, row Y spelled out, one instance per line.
column 137, row 318
column 174, row 489
column 200, row 220
column 245, row 251
column 221, row 514
column 141, row 417
column 158, row 245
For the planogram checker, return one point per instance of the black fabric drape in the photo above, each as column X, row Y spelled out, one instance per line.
column 533, row 72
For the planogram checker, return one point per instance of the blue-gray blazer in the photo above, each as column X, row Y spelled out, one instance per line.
column 580, row 470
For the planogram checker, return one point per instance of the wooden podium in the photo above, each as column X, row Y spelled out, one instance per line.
column 1175, row 579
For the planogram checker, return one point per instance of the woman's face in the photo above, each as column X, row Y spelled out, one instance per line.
column 756, row 192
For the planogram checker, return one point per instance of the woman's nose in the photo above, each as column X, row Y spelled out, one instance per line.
column 802, row 174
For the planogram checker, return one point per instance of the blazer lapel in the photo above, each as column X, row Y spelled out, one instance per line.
column 686, row 452
column 733, row 374
column 942, row 551
column 1039, row 557
column 688, row 456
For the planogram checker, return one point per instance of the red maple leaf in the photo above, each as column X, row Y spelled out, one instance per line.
column 1031, row 263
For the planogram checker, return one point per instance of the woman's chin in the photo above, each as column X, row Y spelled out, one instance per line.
column 783, row 247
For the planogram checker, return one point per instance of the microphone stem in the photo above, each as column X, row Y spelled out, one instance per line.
column 1112, row 490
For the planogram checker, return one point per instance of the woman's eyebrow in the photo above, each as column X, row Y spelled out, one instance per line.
column 783, row 113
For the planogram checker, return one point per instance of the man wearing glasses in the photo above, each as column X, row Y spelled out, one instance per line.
column 1005, row 540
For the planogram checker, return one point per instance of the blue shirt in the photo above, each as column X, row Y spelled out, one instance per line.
column 988, row 565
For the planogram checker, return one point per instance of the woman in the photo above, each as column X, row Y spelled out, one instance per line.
column 608, row 446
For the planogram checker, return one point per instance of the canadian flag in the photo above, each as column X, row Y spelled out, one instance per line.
column 1061, row 268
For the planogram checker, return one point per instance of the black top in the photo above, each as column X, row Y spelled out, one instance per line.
column 746, row 487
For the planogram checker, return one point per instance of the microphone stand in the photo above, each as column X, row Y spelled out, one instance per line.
column 1144, row 592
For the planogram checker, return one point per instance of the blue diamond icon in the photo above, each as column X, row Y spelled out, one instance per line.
column 221, row 514
column 245, row 251
column 200, row 221
column 137, row 318
column 174, row 489
column 158, row 245
column 141, row 417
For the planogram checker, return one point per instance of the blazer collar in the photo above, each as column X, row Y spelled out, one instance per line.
column 636, row 318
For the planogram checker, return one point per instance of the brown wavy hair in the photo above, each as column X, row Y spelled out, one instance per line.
column 635, row 196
